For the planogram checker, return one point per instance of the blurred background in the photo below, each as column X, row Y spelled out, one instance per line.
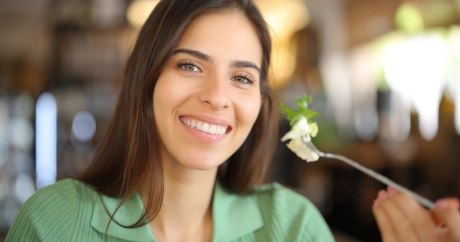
column 384, row 74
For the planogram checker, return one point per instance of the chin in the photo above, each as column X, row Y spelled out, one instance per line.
column 203, row 164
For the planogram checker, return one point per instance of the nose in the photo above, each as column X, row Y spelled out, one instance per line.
column 215, row 93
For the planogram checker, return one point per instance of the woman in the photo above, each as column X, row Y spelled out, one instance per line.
column 189, row 143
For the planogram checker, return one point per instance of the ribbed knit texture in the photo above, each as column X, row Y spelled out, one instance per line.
column 288, row 216
column 60, row 212
column 63, row 212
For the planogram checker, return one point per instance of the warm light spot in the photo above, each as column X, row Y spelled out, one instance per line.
column 139, row 11
column 284, row 19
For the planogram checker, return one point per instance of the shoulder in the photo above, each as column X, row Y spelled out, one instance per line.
column 294, row 216
column 56, row 193
column 52, row 211
column 67, row 193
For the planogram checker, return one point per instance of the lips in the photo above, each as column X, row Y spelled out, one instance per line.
column 205, row 127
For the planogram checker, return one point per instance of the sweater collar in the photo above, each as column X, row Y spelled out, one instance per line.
column 126, row 215
column 233, row 216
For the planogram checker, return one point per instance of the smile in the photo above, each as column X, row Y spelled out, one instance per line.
column 204, row 127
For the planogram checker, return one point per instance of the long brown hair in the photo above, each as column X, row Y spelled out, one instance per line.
column 129, row 154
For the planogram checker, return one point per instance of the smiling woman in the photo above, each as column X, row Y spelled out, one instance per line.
column 189, row 144
column 219, row 88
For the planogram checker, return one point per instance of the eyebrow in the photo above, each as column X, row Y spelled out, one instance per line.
column 246, row 64
column 205, row 57
column 195, row 53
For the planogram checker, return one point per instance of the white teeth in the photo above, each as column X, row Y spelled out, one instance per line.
column 212, row 129
column 204, row 127
column 193, row 123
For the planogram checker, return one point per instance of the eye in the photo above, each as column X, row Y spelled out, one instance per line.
column 189, row 66
column 245, row 79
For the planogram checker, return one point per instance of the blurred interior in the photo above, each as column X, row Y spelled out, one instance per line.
column 384, row 75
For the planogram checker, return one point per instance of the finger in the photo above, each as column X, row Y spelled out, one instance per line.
column 447, row 211
column 418, row 219
column 397, row 217
column 384, row 224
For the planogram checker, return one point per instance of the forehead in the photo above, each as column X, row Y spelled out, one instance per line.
column 226, row 32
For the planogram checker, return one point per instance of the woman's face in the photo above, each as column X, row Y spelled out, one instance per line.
column 207, row 98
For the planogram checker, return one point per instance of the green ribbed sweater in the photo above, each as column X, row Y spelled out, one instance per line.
column 71, row 211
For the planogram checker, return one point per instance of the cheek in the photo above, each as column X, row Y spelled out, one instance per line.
column 164, row 95
column 162, row 99
column 249, row 111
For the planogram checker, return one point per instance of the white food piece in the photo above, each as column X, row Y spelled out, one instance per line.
column 302, row 130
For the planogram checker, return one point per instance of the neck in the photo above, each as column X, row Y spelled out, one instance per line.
column 185, row 214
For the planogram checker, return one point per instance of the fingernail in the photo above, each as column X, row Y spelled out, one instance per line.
column 441, row 204
column 380, row 196
column 391, row 190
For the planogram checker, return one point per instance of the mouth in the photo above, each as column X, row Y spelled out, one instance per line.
column 205, row 127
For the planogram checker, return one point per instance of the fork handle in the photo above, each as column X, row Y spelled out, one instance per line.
column 424, row 201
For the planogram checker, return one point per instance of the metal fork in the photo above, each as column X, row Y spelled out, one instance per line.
column 424, row 201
